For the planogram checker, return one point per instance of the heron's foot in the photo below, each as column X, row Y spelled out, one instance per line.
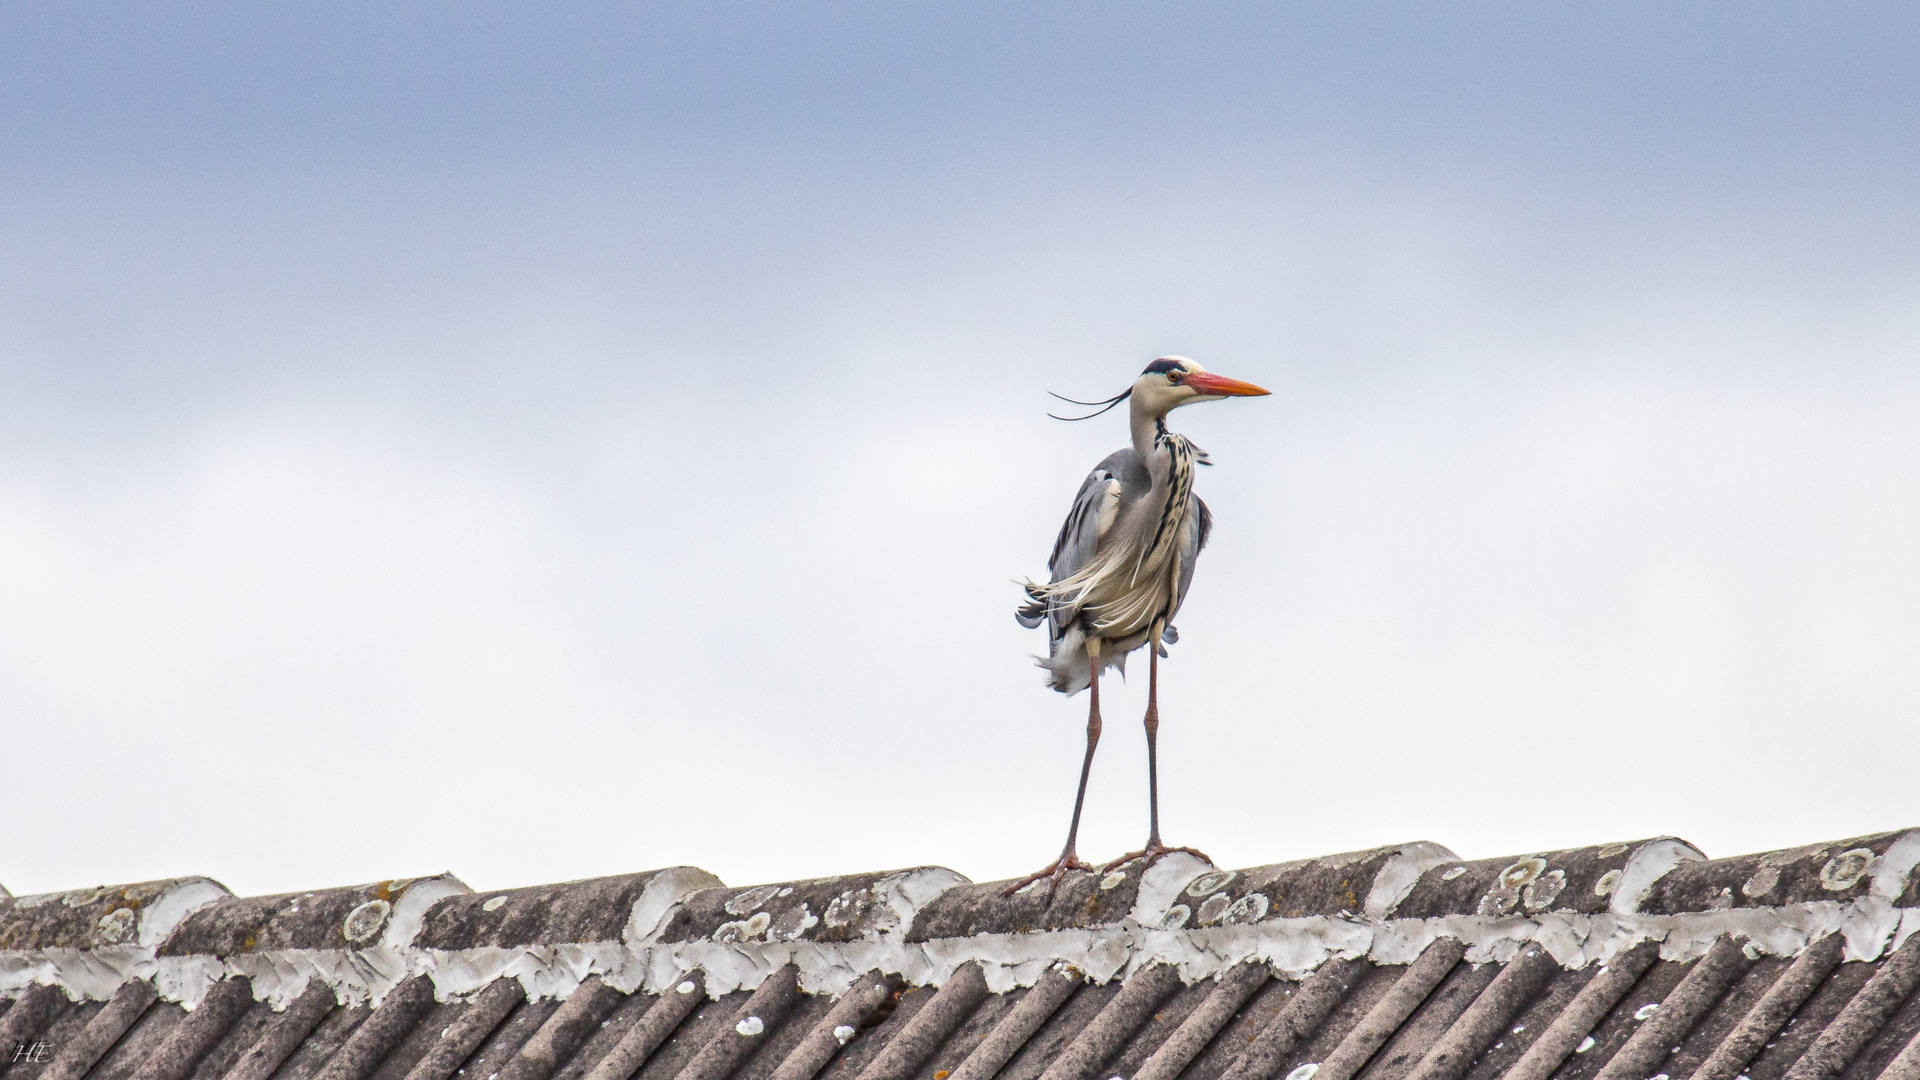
column 1053, row 871
column 1153, row 853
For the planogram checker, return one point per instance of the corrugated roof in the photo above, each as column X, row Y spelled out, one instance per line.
column 1630, row 961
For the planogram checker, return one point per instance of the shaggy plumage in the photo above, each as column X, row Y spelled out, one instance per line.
column 1123, row 560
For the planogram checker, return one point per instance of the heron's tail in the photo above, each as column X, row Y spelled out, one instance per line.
column 1069, row 668
column 1034, row 611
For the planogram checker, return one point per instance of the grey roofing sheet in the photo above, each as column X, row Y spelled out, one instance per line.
column 1617, row 962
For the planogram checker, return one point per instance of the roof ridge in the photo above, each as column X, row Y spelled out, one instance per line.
column 1581, row 905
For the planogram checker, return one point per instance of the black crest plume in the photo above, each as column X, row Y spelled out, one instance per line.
column 1098, row 407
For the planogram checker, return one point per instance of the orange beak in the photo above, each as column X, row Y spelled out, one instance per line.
column 1212, row 385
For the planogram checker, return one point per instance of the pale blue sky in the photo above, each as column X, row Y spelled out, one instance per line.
column 549, row 442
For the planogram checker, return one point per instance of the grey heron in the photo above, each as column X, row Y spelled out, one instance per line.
column 1121, row 566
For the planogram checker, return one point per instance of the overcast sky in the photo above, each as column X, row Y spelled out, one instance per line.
column 543, row 441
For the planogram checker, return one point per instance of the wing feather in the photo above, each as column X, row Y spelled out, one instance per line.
column 1094, row 510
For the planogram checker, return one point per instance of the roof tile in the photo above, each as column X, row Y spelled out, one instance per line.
column 1842, row 870
column 142, row 913
column 837, row 909
column 1081, row 901
column 359, row 916
column 621, row 908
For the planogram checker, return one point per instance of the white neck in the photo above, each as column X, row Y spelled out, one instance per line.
column 1146, row 425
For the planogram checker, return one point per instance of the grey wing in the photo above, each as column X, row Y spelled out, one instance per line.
column 1118, row 480
column 1093, row 513
column 1094, row 509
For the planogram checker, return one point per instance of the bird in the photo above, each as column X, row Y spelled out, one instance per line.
column 1120, row 568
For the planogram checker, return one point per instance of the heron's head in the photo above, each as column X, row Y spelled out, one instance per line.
column 1173, row 381
column 1167, row 384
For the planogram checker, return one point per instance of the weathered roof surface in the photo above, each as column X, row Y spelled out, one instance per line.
column 1631, row 961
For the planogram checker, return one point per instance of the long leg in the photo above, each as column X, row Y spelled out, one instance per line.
column 1069, row 857
column 1153, row 739
column 1154, row 848
column 1086, row 765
